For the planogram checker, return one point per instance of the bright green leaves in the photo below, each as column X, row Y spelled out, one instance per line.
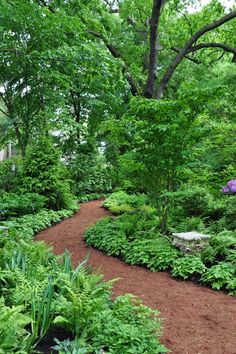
column 221, row 275
column 188, row 267
column 12, row 328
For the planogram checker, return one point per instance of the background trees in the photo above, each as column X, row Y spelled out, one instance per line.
column 70, row 69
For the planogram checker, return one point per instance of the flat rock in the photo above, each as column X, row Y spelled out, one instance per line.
column 191, row 236
column 190, row 242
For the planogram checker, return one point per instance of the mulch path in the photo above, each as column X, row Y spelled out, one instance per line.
column 196, row 319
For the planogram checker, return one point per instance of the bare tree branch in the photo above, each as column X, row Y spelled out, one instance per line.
column 220, row 57
column 182, row 53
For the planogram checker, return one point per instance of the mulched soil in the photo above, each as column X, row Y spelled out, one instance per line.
column 196, row 319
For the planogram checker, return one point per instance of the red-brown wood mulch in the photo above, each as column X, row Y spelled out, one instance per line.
column 196, row 319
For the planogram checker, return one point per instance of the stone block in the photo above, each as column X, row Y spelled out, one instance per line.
column 190, row 242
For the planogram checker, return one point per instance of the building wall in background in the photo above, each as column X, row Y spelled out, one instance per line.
column 6, row 153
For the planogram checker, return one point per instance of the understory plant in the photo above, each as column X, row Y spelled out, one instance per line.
column 221, row 276
column 28, row 225
column 14, row 205
column 135, row 237
column 45, row 174
column 121, row 202
column 187, row 267
column 40, row 292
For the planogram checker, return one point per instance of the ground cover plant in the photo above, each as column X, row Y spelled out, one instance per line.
column 135, row 236
column 29, row 225
column 40, row 292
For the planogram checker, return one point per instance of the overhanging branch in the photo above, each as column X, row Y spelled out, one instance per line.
column 223, row 46
column 187, row 48
column 194, row 60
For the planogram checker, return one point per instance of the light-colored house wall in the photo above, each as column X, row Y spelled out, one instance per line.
column 2, row 152
column 6, row 153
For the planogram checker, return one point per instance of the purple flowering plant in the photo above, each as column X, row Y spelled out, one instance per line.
column 230, row 188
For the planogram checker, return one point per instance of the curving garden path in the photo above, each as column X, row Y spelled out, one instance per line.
column 196, row 320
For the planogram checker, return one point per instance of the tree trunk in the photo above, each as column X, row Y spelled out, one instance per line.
column 152, row 67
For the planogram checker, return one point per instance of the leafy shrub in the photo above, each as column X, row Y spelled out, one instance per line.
column 187, row 224
column 92, row 196
column 133, row 237
column 220, row 276
column 208, row 255
column 44, row 173
column 18, row 205
column 90, row 174
column 155, row 252
column 45, row 291
column 224, row 214
column 124, row 326
column 28, row 225
column 187, row 267
column 9, row 176
column 113, row 240
column 121, row 202
column 230, row 213
column 191, row 200
column 231, row 286
column 12, row 328
column 129, row 327
column 223, row 243
column 71, row 347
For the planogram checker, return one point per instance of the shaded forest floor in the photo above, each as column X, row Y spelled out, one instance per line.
column 196, row 320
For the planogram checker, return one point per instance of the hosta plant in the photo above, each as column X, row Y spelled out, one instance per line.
column 220, row 276
column 187, row 267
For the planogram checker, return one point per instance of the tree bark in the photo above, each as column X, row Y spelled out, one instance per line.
column 152, row 66
column 186, row 49
column 222, row 46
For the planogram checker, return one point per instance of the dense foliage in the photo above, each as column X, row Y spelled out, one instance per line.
column 130, row 96
column 45, row 174
column 12, row 205
column 120, row 202
column 40, row 291
column 135, row 237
